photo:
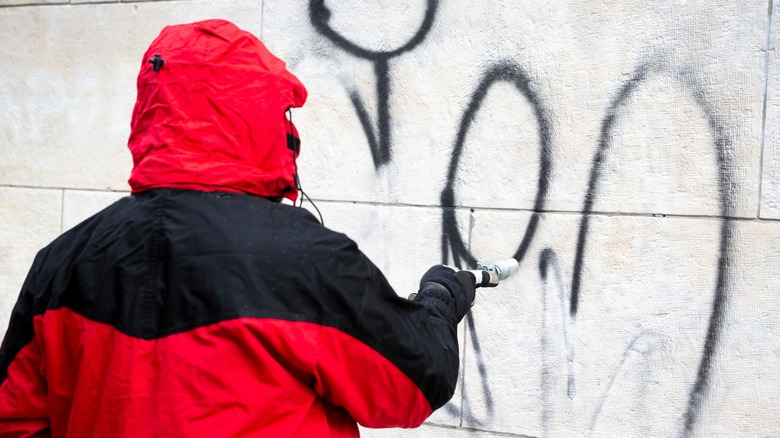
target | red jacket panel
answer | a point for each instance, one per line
(285, 379)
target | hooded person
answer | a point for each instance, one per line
(200, 305)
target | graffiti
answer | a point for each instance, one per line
(548, 261)
(379, 141)
(726, 190)
(452, 243)
(455, 246)
(455, 250)
(482, 369)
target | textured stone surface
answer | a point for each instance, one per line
(770, 181)
(674, 105)
(29, 220)
(68, 86)
(742, 399)
(79, 205)
(647, 114)
(631, 356)
(633, 345)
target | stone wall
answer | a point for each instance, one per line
(626, 152)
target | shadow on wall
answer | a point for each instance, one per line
(454, 248)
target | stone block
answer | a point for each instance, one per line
(623, 355)
(69, 85)
(742, 399)
(80, 205)
(770, 176)
(29, 220)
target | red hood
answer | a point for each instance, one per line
(213, 117)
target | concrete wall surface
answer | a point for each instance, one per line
(627, 152)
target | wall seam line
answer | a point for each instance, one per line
(463, 207)
(763, 115)
(85, 3)
(62, 212)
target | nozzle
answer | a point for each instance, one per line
(503, 268)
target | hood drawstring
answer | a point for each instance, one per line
(294, 144)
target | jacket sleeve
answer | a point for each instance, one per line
(397, 361)
(23, 389)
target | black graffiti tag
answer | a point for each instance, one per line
(452, 242)
(726, 193)
(454, 248)
(379, 141)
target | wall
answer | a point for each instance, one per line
(626, 152)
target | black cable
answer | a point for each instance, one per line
(296, 177)
(312, 203)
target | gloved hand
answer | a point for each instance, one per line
(460, 285)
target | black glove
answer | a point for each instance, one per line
(455, 288)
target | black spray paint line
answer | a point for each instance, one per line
(547, 386)
(726, 190)
(379, 140)
(548, 260)
(454, 249)
(468, 417)
(595, 176)
(505, 71)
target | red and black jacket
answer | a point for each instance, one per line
(186, 313)
(197, 307)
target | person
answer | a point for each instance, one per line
(200, 305)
